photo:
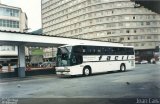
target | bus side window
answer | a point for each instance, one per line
(103, 50)
(107, 51)
(125, 51)
(99, 51)
(93, 50)
(84, 50)
(87, 50)
(118, 52)
(77, 49)
(130, 51)
(121, 51)
(113, 51)
(77, 59)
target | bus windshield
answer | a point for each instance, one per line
(63, 56)
(69, 56)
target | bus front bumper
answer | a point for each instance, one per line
(63, 71)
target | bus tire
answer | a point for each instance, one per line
(86, 71)
(122, 67)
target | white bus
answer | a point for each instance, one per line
(89, 59)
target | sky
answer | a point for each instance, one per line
(32, 8)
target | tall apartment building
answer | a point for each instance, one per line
(106, 20)
(11, 19)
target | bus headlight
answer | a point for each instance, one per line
(66, 69)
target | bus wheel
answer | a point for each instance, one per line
(86, 71)
(122, 67)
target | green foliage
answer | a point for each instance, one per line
(37, 52)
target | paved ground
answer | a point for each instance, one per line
(142, 82)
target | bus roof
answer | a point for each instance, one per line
(99, 44)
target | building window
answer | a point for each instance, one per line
(142, 23)
(155, 30)
(134, 17)
(142, 44)
(127, 31)
(150, 44)
(136, 44)
(9, 23)
(89, 1)
(89, 8)
(98, 6)
(7, 48)
(80, 30)
(136, 37)
(154, 23)
(99, 20)
(84, 10)
(142, 37)
(147, 23)
(120, 17)
(97, 1)
(9, 12)
(90, 15)
(109, 32)
(155, 36)
(121, 31)
(127, 24)
(129, 44)
(154, 16)
(120, 24)
(149, 37)
(112, 11)
(119, 4)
